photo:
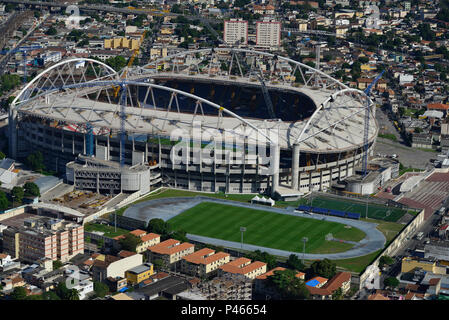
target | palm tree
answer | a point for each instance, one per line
(73, 295)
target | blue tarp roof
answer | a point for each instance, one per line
(313, 283)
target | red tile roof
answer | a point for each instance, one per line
(138, 233)
(271, 272)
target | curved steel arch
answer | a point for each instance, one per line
(55, 67)
(115, 83)
(327, 102)
(144, 69)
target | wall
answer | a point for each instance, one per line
(394, 246)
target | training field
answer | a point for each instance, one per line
(264, 228)
(374, 211)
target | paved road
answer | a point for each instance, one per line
(168, 208)
(408, 156)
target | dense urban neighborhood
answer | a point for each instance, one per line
(224, 150)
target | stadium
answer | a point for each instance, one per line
(86, 118)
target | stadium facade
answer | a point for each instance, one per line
(311, 129)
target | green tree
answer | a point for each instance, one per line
(338, 294)
(50, 295)
(34, 297)
(19, 293)
(17, 193)
(35, 161)
(57, 264)
(117, 63)
(2, 155)
(61, 291)
(159, 226)
(269, 259)
(385, 260)
(4, 202)
(31, 189)
(295, 263)
(159, 264)
(51, 31)
(288, 285)
(130, 242)
(73, 295)
(324, 268)
(100, 289)
(391, 282)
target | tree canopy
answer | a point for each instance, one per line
(288, 285)
(100, 289)
(4, 202)
(17, 193)
(31, 189)
(295, 263)
(35, 161)
(130, 242)
(324, 268)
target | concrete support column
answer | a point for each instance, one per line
(295, 167)
(84, 143)
(108, 151)
(12, 128)
(275, 158)
(98, 182)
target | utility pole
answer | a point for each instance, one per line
(304, 240)
(242, 230)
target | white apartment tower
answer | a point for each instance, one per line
(268, 34)
(235, 30)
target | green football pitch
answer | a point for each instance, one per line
(265, 228)
(374, 211)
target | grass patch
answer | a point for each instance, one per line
(357, 264)
(374, 211)
(173, 193)
(389, 229)
(109, 231)
(389, 136)
(267, 229)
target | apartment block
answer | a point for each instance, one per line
(169, 251)
(148, 240)
(44, 237)
(268, 34)
(203, 262)
(245, 267)
(235, 30)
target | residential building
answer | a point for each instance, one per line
(44, 237)
(140, 273)
(203, 262)
(169, 251)
(235, 30)
(105, 266)
(5, 259)
(410, 264)
(116, 284)
(148, 240)
(324, 289)
(225, 287)
(245, 267)
(268, 34)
